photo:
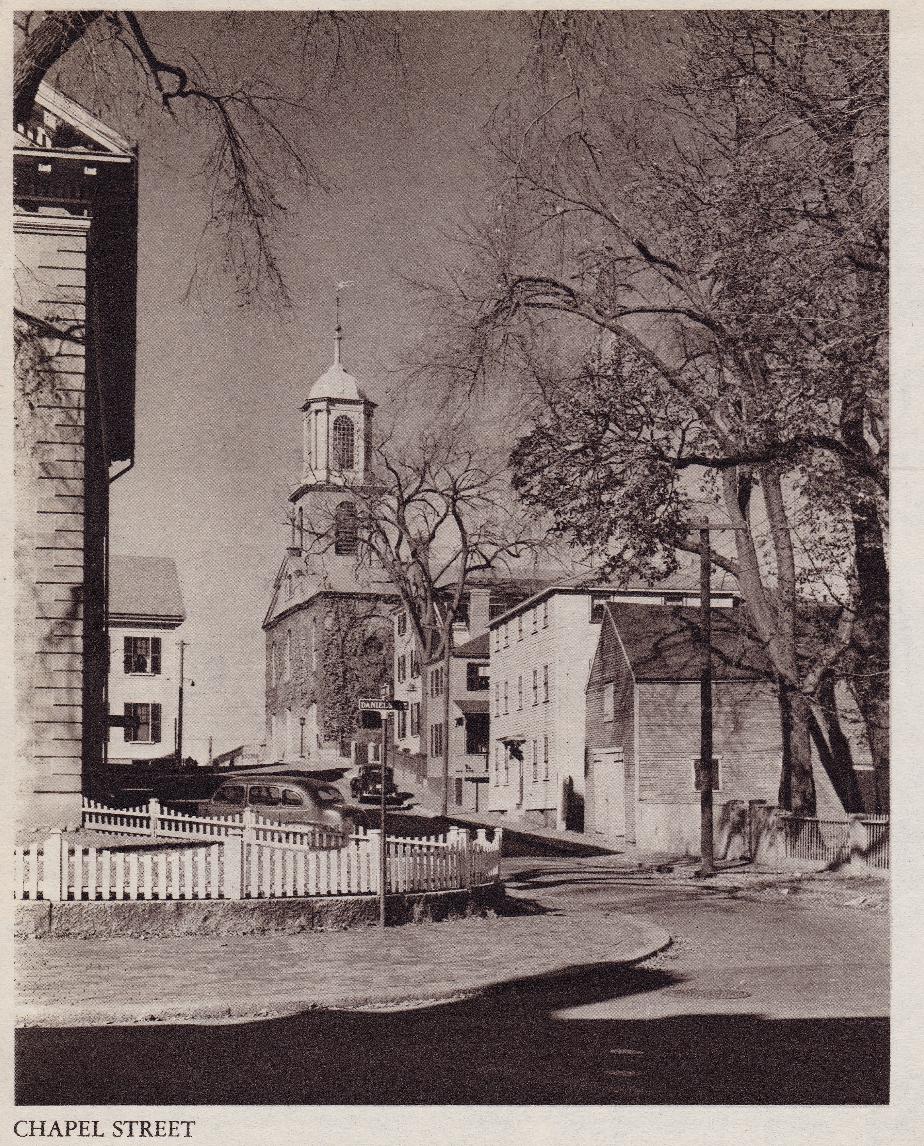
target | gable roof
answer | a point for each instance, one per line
(662, 643)
(476, 647)
(60, 123)
(145, 589)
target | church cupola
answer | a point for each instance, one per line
(337, 416)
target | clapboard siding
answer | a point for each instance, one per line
(51, 493)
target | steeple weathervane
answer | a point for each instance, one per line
(338, 330)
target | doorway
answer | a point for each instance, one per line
(609, 786)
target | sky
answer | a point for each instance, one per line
(219, 390)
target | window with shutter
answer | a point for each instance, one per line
(155, 724)
(155, 655)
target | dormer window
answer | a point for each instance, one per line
(343, 440)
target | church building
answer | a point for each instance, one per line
(328, 627)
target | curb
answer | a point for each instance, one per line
(209, 1011)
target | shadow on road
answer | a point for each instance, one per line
(506, 1046)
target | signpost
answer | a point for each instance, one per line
(384, 706)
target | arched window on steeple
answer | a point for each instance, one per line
(342, 453)
(345, 529)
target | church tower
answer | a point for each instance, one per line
(328, 627)
(336, 427)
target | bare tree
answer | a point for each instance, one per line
(430, 515)
(257, 120)
(708, 236)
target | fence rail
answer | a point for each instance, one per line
(153, 820)
(250, 863)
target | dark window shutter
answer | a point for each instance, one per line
(155, 724)
(129, 715)
(155, 654)
(128, 655)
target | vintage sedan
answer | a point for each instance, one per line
(286, 799)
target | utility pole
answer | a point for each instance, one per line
(705, 766)
(705, 770)
(179, 713)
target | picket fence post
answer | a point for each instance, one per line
(54, 854)
(234, 867)
(375, 859)
(154, 814)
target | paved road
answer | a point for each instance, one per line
(763, 999)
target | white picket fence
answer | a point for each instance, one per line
(153, 820)
(251, 866)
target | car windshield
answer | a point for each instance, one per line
(328, 795)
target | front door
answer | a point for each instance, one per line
(610, 792)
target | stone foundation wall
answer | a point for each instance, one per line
(85, 920)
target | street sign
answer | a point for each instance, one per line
(375, 704)
(701, 779)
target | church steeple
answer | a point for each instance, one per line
(338, 335)
(336, 423)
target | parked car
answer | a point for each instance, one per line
(366, 785)
(286, 799)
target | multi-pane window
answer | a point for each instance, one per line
(345, 529)
(535, 761)
(535, 687)
(142, 655)
(545, 756)
(497, 756)
(477, 725)
(497, 708)
(415, 718)
(545, 684)
(476, 677)
(505, 698)
(342, 452)
(519, 694)
(436, 682)
(402, 723)
(436, 739)
(142, 724)
(401, 672)
(415, 665)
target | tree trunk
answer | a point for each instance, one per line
(834, 749)
(797, 785)
(53, 38)
(870, 660)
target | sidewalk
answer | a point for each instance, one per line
(67, 982)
